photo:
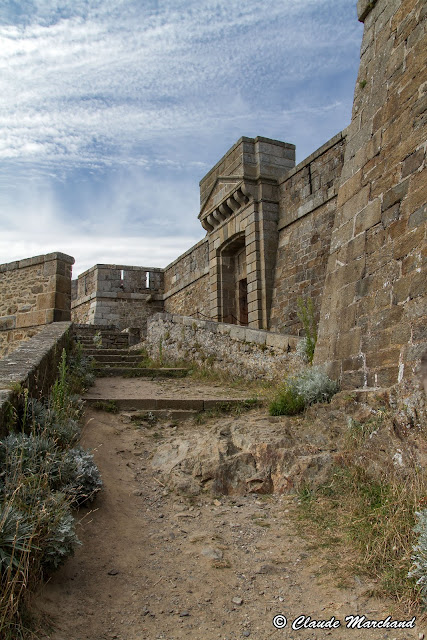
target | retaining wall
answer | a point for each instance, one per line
(243, 352)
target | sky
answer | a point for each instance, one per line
(112, 111)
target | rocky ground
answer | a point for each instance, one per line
(165, 555)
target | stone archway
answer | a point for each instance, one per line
(233, 281)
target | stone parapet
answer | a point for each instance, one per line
(33, 365)
(33, 292)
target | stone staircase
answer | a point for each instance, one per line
(109, 348)
(147, 392)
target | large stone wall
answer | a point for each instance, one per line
(307, 203)
(240, 351)
(33, 292)
(373, 319)
(119, 295)
(33, 365)
(186, 282)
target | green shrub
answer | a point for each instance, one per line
(419, 557)
(287, 403)
(32, 456)
(308, 387)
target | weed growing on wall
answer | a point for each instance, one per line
(43, 475)
(307, 319)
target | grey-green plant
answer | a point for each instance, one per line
(86, 479)
(298, 392)
(419, 556)
(308, 321)
(16, 534)
(57, 531)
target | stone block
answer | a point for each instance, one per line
(412, 240)
(396, 194)
(7, 323)
(412, 163)
(238, 333)
(257, 337)
(387, 376)
(46, 300)
(368, 217)
(418, 217)
(277, 341)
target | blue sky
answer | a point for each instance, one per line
(111, 112)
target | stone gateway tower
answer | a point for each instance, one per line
(239, 201)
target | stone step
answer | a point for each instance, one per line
(177, 415)
(94, 352)
(140, 372)
(166, 404)
(115, 358)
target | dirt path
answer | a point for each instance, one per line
(154, 565)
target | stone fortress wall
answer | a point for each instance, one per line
(33, 293)
(373, 319)
(346, 228)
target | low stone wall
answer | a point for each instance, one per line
(251, 353)
(33, 365)
(187, 281)
(33, 292)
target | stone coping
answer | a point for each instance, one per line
(18, 366)
(236, 332)
(32, 365)
(30, 262)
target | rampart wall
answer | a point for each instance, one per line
(373, 320)
(33, 292)
(307, 204)
(186, 282)
(346, 228)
